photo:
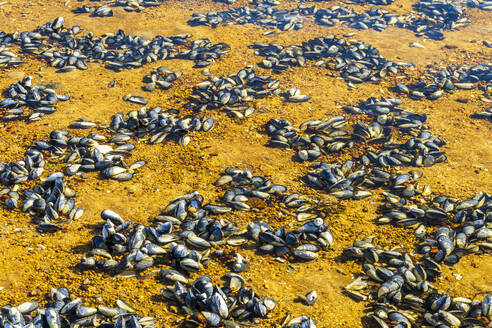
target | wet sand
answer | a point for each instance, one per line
(31, 262)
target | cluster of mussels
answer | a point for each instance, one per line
(421, 147)
(181, 237)
(50, 201)
(357, 61)
(432, 17)
(39, 98)
(317, 137)
(63, 49)
(463, 225)
(281, 242)
(185, 232)
(137, 5)
(374, 18)
(263, 14)
(63, 310)
(95, 11)
(161, 77)
(402, 295)
(8, 58)
(267, 16)
(215, 305)
(128, 5)
(51, 204)
(303, 243)
(434, 82)
(348, 181)
(203, 52)
(233, 92)
(157, 126)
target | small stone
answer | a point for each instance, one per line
(458, 276)
(415, 45)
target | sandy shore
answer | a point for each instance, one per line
(31, 262)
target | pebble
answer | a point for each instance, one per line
(416, 45)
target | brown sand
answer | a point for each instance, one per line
(33, 262)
